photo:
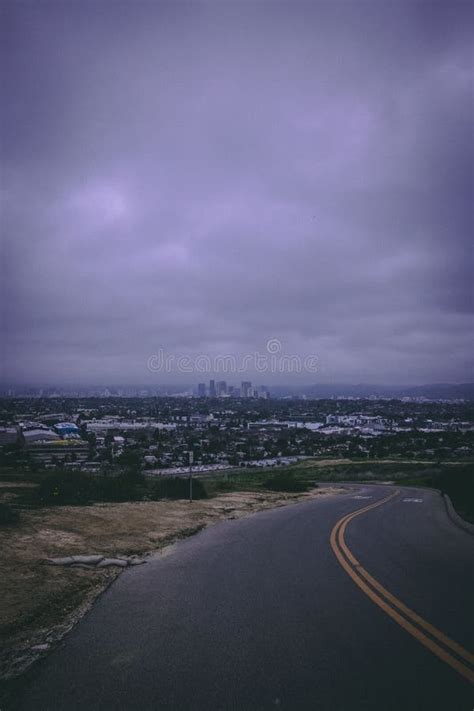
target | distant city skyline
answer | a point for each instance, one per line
(435, 391)
(206, 178)
(223, 389)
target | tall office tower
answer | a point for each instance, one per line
(202, 390)
(246, 388)
(212, 388)
(221, 388)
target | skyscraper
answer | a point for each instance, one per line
(221, 388)
(202, 390)
(212, 388)
(246, 388)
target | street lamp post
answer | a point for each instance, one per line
(191, 459)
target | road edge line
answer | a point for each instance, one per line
(355, 571)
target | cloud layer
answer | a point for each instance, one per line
(203, 177)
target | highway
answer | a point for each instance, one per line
(301, 607)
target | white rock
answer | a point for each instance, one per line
(88, 559)
(69, 560)
(107, 562)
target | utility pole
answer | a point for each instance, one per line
(191, 459)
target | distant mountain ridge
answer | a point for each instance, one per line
(437, 391)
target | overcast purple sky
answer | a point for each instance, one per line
(202, 177)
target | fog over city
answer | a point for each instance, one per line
(206, 177)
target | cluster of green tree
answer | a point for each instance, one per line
(455, 481)
(75, 488)
(8, 514)
(177, 488)
(242, 410)
(459, 486)
(286, 481)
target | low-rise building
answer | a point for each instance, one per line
(59, 450)
(66, 428)
(39, 435)
(9, 435)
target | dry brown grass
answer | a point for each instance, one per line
(40, 602)
(316, 463)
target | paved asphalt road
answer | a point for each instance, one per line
(259, 613)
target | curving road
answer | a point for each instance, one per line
(302, 607)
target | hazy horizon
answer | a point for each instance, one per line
(215, 179)
(461, 389)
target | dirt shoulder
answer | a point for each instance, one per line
(40, 603)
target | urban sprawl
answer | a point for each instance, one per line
(220, 426)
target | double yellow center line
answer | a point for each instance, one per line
(433, 639)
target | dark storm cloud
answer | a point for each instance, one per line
(203, 177)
